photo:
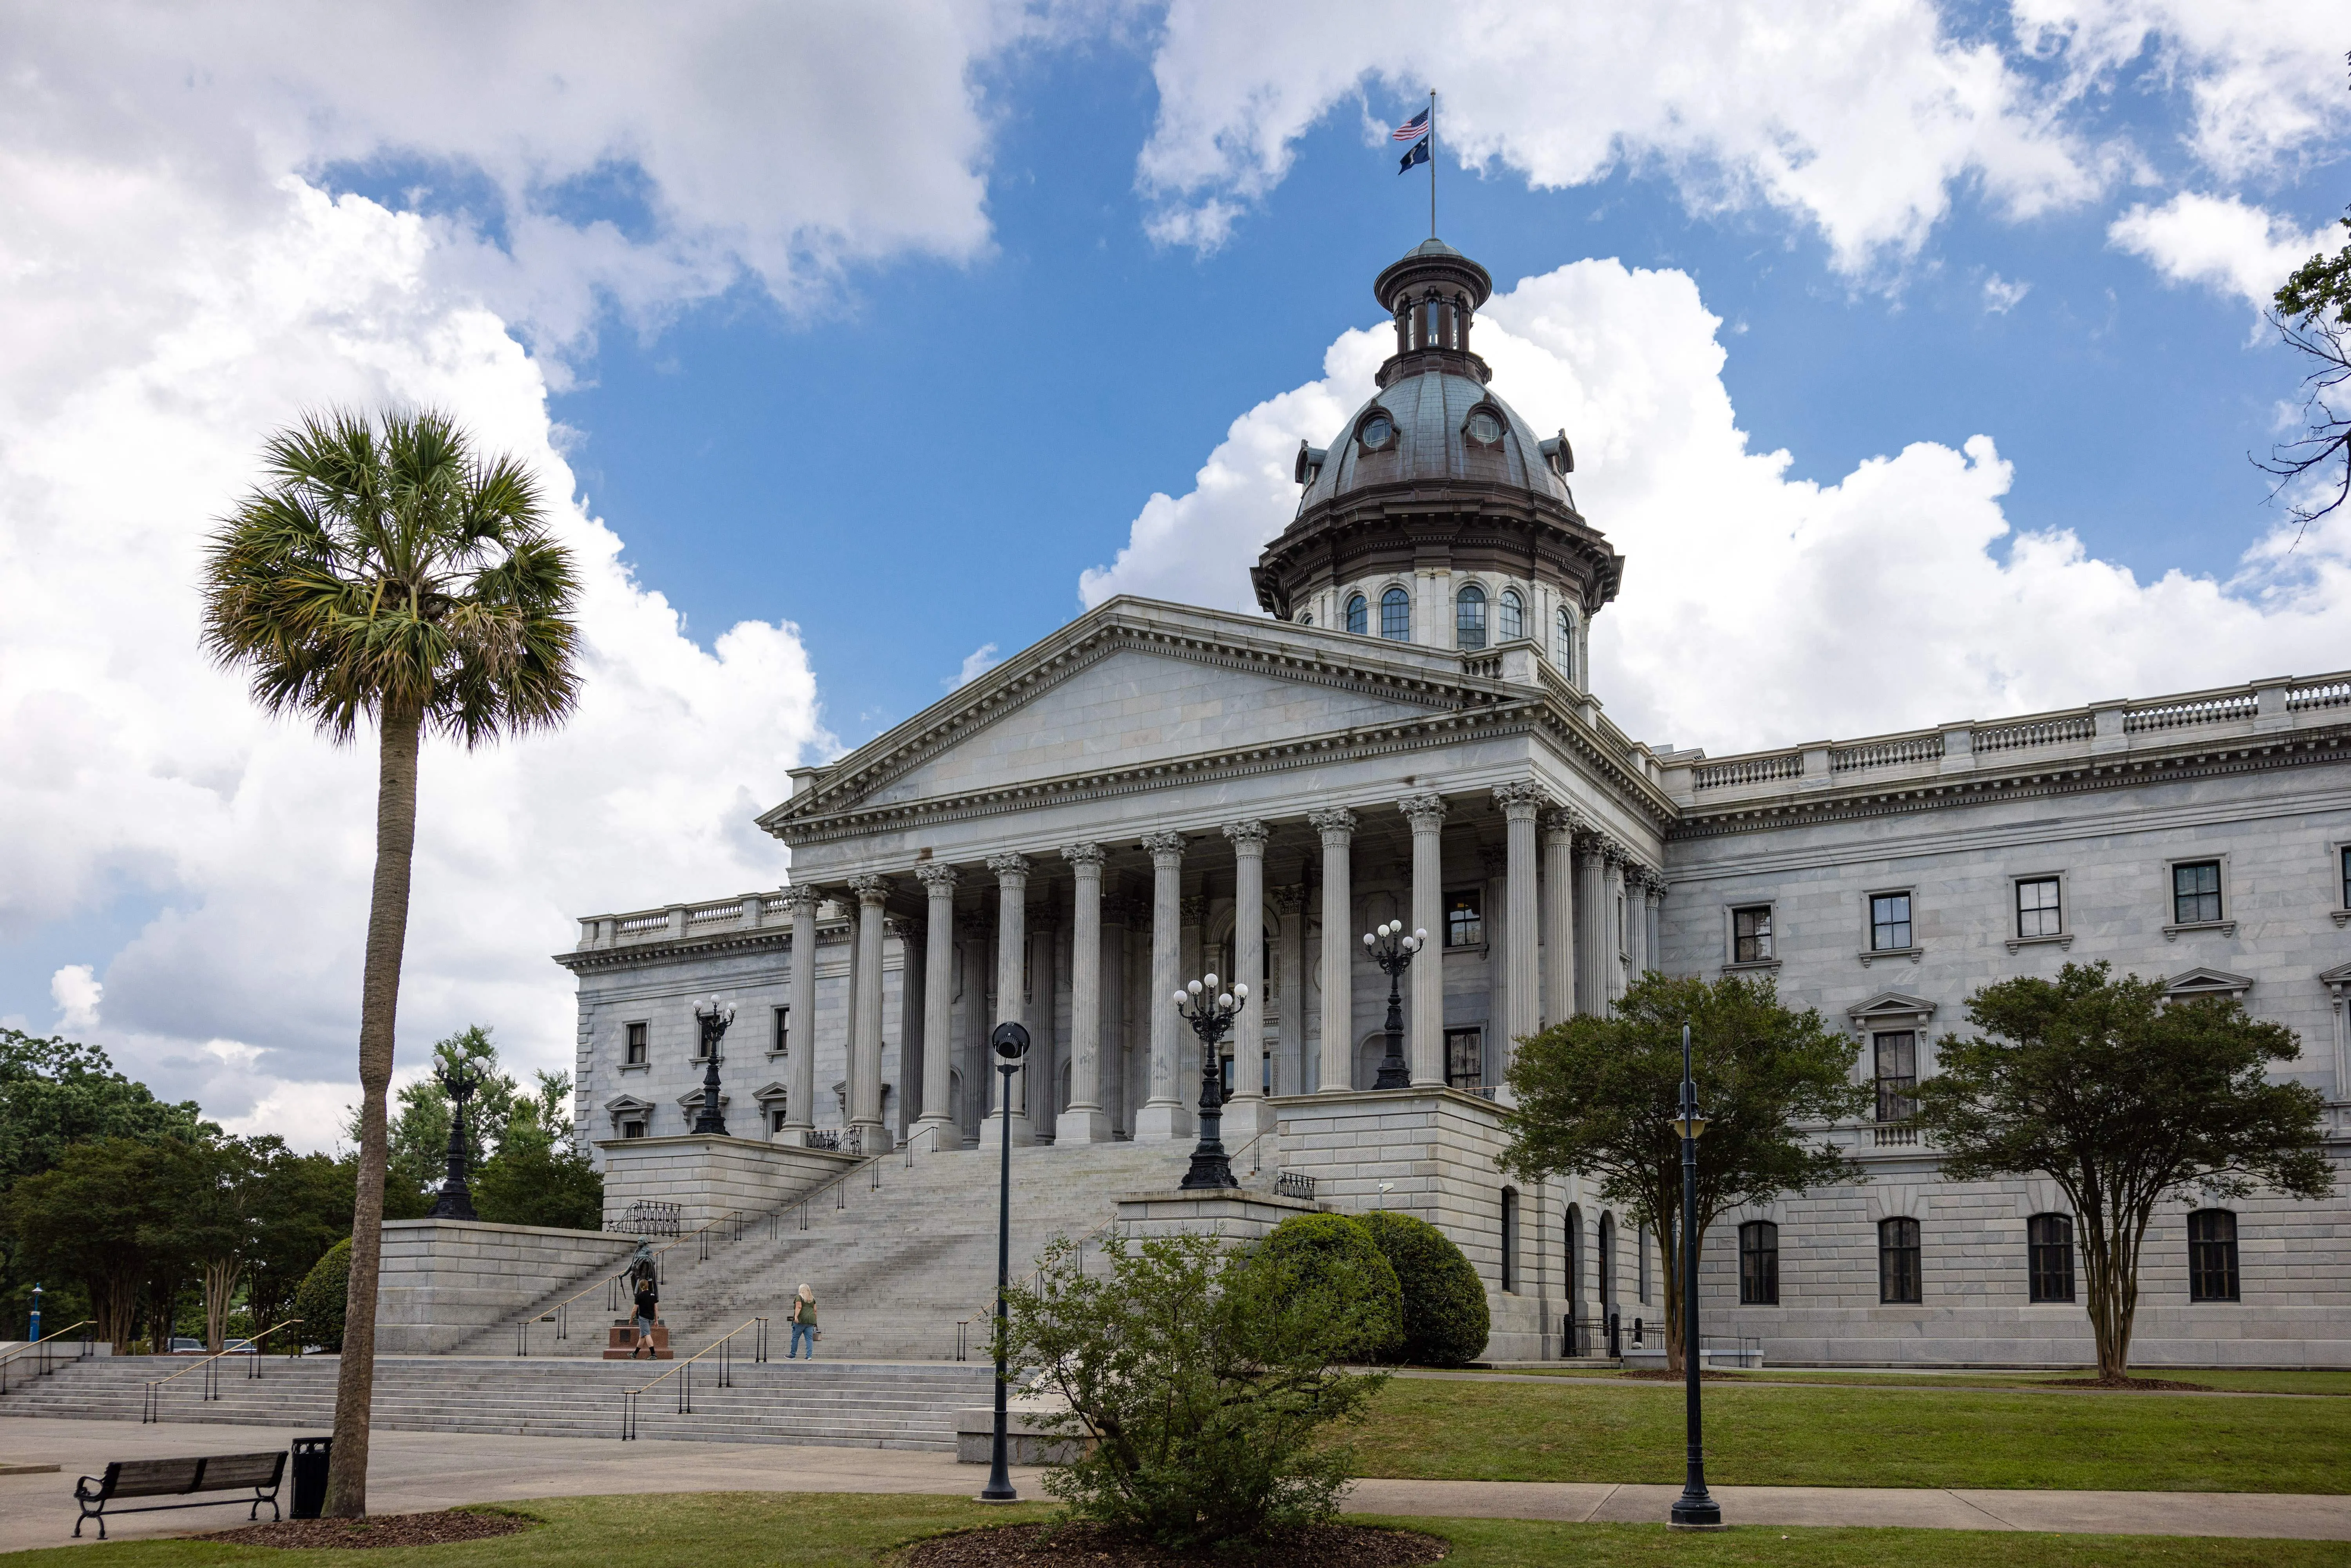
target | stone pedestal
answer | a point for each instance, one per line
(623, 1333)
(711, 1174)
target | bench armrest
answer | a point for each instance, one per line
(97, 1485)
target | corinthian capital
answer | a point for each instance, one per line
(869, 888)
(1424, 812)
(1084, 856)
(939, 879)
(801, 896)
(1520, 801)
(1164, 845)
(1249, 837)
(1009, 869)
(1336, 825)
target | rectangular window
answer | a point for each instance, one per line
(2195, 893)
(639, 1038)
(2049, 1243)
(1889, 922)
(701, 1040)
(1897, 1262)
(1641, 1262)
(1897, 1073)
(2038, 913)
(1750, 934)
(1464, 1058)
(632, 1127)
(1758, 1264)
(2212, 1256)
(776, 1114)
(1510, 1239)
(1465, 923)
(781, 1039)
(2346, 876)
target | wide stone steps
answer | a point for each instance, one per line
(836, 1403)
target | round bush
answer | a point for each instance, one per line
(1446, 1320)
(320, 1299)
(1333, 1254)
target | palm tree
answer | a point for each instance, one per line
(382, 574)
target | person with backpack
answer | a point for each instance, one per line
(803, 1321)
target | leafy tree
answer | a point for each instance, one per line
(214, 1226)
(1446, 1318)
(2123, 1099)
(418, 1157)
(385, 575)
(1205, 1380)
(1597, 1098)
(2312, 314)
(301, 1207)
(540, 1174)
(323, 1298)
(104, 1214)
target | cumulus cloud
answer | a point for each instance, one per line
(977, 663)
(2218, 241)
(1858, 121)
(1896, 597)
(76, 990)
(2000, 296)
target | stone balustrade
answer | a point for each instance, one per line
(680, 921)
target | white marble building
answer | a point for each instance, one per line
(1155, 790)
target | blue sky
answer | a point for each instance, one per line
(865, 330)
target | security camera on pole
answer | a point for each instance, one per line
(1011, 1042)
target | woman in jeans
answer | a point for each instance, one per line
(647, 1312)
(803, 1322)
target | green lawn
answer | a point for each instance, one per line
(1569, 1430)
(772, 1530)
(2248, 1380)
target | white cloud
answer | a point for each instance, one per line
(977, 663)
(2000, 296)
(76, 990)
(1859, 121)
(1731, 564)
(2219, 241)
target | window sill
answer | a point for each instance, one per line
(2064, 939)
(1913, 954)
(1751, 967)
(777, 1055)
(2340, 917)
(2225, 927)
(636, 1067)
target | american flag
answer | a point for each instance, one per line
(1411, 129)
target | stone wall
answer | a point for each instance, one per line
(709, 1177)
(445, 1281)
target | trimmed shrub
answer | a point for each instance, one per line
(1331, 1255)
(1446, 1320)
(320, 1300)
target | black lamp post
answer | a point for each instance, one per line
(456, 1201)
(1011, 1043)
(1210, 1015)
(714, 1020)
(1694, 1509)
(1392, 948)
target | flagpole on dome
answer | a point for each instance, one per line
(1432, 162)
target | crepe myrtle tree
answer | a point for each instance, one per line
(1597, 1098)
(382, 574)
(2124, 1099)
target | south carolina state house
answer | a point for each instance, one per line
(1408, 731)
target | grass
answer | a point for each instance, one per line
(1568, 1430)
(803, 1530)
(2243, 1380)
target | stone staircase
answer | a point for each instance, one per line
(837, 1404)
(894, 1267)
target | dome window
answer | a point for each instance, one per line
(1509, 617)
(1567, 644)
(1377, 433)
(1395, 615)
(1483, 427)
(1469, 618)
(1358, 614)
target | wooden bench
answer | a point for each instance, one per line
(180, 1478)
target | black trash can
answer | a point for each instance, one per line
(310, 1476)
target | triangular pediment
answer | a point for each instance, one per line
(625, 1105)
(2338, 975)
(1891, 1005)
(2203, 982)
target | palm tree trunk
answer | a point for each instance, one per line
(395, 849)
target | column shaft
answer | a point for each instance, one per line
(1558, 917)
(1165, 1117)
(1426, 1043)
(1244, 1118)
(1339, 937)
(1523, 998)
(1613, 920)
(1011, 1003)
(1085, 1121)
(799, 1086)
(939, 1007)
(865, 1068)
(1591, 936)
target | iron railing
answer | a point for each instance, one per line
(44, 1352)
(683, 1373)
(150, 1409)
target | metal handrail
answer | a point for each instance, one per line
(559, 1315)
(724, 1345)
(42, 1348)
(151, 1409)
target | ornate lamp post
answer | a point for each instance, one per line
(456, 1201)
(1392, 948)
(1011, 1043)
(36, 1313)
(713, 1018)
(1210, 1015)
(1694, 1509)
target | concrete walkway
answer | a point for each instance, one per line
(417, 1470)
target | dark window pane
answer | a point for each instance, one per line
(1567, 668)
(1897, 1262)
(1464, 1058)
(1464, 924)
(2212, 1256)
(1750, 934)
(1889, 921)
(2346, 877)
(1358, 614)
(1510, 1239)
(2049, 1241)
(1758, 1264)
(1395, 615)
(1511, 617)
(1897, 1074)
(1470, 617)
(2037, 912)
(783, 1030)
(637, 1043)
(2196, 892)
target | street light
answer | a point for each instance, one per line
(1694, 1509)
(1011, 1042)
(1211, 1014)
(455, 1202)
(37, 1314)
(1392, 948)
(713, 1018)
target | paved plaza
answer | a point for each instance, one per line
(417, 1470)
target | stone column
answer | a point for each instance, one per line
(1637, 921)
(1164, 1117)
(1085, 1121)
(865, 1065)
(1289, 1011)
(1041, 1074)
(938, 1005)
(799, 1086)
(1338, 938)
(1425, 1044)
(1558, 917)
(1612, 920)
(1654, 904)
(1591, 936)
(977, 964)
(1520, 804)
(908, 1025)
(1012, 873)
(1244, 1118)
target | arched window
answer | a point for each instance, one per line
(1608, 1260)
(1574, 1254)
(1470, 617)
(1395, 615)
(2212, 1256)
(1510, 1239)
(1566, 656)
(1306, 618)
(1511, 617)
(1898, 1261)
(1358, 614)
(1641, 1270)
(1758, 1264)
(2048, 1256)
